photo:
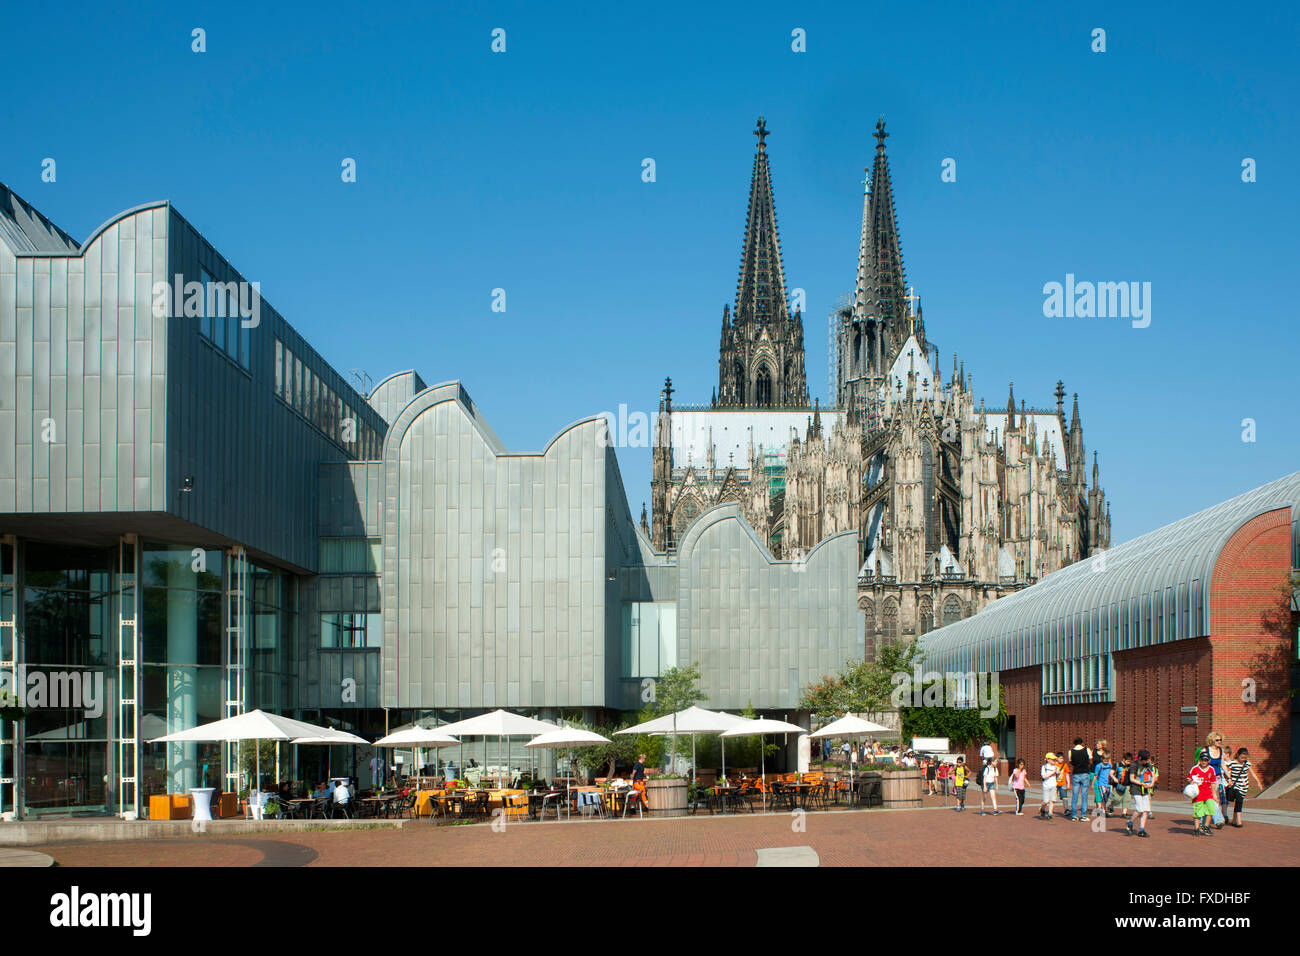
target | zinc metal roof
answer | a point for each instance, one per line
(1150, 590)
(24, 229)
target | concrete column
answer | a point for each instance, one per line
(182, 656)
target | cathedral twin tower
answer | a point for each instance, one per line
(954, 505)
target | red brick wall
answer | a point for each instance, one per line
(1251, 634)
(1251, 631)
(1151, 684)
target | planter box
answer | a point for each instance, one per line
(667, 798)
(225, 806)
(902, 788)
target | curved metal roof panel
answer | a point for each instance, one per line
(1151, 590)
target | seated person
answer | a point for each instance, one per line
(321, 792)
(342, 794)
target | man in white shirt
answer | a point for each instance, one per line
(342, 795)
(988, 752)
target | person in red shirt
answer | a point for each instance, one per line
(1204, 803)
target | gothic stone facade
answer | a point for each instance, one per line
(954, 505)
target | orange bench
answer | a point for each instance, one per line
(170, 806)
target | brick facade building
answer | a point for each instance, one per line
(1134, 650)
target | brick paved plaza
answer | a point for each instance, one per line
(929, 836)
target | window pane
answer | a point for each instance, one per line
(279, 368)
(205, 322)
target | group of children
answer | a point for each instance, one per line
(1124, 786)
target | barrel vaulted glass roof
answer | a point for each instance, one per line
(1150, 590)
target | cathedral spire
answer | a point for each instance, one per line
(882, 287)
(1011, 405)
(760, 293)
(761, 359)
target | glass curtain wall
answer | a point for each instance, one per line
(69, 640)
(181, 673)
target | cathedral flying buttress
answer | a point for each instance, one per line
(954, 504)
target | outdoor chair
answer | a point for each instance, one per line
(591, 800)
(553, 800)
(781, 796)
(344, 808)
(480, 805)
(637, 798)
(514, 806)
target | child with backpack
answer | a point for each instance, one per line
(1120, 799)
(1144, 781)
(1203, 782)
(959, 783)
(1048, 772)
(1103, 776)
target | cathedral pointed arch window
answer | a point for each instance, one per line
(683, 515)
(927, 615)
(931, 502)
(763, 387)
(868, 609)
(739, 372)
(889, 622)
(952, 610)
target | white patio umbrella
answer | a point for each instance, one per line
(697, 720)
(692, 720)
(850, 726)
(499, 724)
(253, 725)
(760, 726)
(331, 737)
(568, 738)
(414, 737)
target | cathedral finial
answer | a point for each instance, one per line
(1011, 405)
(880, 134)
(761, 133)
(1060, 397)
(668, 393)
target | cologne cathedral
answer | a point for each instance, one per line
(955, 504)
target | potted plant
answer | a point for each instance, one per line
(10, 708)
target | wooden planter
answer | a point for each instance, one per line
(902, 788)
(667, 798)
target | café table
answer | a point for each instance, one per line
(370, 806)
(723, 791)
(540, 800)
(456, 800)
(798, 793)
(299, 805)
(202, 800)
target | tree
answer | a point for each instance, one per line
(861, 686)
(622, 748)
(961, 725)
(676, 689)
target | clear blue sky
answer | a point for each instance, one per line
(522, 170)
